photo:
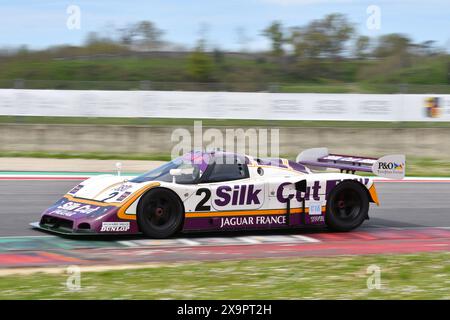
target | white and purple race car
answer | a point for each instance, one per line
(218, 191)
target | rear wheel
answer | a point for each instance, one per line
(347, 206)
(160, 213)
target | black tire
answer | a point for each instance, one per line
(160, 213)
(347, 206)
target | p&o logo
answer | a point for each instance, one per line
(391, 166)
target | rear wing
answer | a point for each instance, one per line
(390, 166)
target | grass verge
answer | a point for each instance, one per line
(217, 122)
(415, 276)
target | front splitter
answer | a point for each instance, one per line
(38, 226)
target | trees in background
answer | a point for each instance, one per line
(325, 50)
(200, 65)
(329, 37)
(362, 47)
(322, 38)
(142, 35)
(392, 44)
(274, 32)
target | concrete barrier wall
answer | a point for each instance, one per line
(426, 142)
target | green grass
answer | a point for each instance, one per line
(229, 72)
(422, 71)
(218, 122)
(428, 167)
(125, 69)
(305, 88)
(414, 276)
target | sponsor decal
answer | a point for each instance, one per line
(123, 196)
(238, 195)
(314, 189)
(62, 212)
(87, 209)
(123, 187)
(433, 107)
(69, 206)
(317, 219)
(115, 226)
(287, 106)
(375, 107)
(391, 166)
(69, 209)
(315, 208)
(330, 107)
(78, 207)
(252, 221)
(76, 189)
(225, 195)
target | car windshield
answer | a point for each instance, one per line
(192, 163)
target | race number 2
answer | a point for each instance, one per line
(201, 205)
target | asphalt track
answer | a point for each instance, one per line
(405, 204)
(413, 216)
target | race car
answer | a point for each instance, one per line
(219, 191)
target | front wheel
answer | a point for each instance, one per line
(160, 213)
(347, 206)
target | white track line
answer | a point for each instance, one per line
(249, 240)
(189, 242)
(305, 238)
(128, 243)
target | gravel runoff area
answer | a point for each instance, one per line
(75, 165)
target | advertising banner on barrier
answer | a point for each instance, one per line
(225, 105)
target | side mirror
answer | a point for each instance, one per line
(175, 172)
(179, 172)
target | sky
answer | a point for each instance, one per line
(40, 23)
